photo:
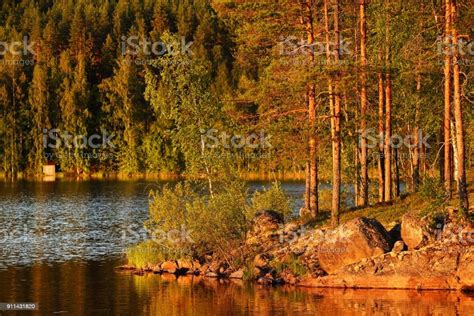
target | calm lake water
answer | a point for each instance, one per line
(60, 242)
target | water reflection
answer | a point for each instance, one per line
(95, 288)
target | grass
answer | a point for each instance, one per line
(388, 213)
(146, 254)
(291, 263)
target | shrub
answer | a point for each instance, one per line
(207, 223)
(273, 198)
(184, 222)
(432, 189)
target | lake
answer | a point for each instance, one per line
(60, 242)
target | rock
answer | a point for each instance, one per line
(441, 265)
(305, 213)
(262, 260)
(265, 280)
(266, 232)
(288, 277)
(126, 267)
(196, 265)
(398, 247)
(214, 266)
(291, 228)
(239, 274)
(351, 242)
(266, 221)
(169, 267)
(185, 264)
(157, 269)
(417, 232)
(203, 269)
(212, 275)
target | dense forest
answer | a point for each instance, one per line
(365, 92)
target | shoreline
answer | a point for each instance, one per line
(160, 176)
(409, 256)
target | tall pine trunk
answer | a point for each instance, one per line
(336, 157)
(311, 199)
(416, 137)
(364, 186)
(388, 117)
(458, 118)
(381, 129)
(447, 100)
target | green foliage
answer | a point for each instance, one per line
(273, 198)
(144, 255)
(432, 189)
(292, 263)
(433, 192)
(214, 223)
(82, 82)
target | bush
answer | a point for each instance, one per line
(432, 189)
(206, 223)
(273, 198)
(186, 223)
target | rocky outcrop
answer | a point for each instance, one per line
(417, 231)
(398, 247)
(239, 274)
(169, 267)
(358, 254)
(267, 220)
(442, 265)
(351, 242)
(266, 231)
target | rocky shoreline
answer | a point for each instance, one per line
(418, 253)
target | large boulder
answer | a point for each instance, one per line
(351, 242)
(267, 220)
(169, 266)
(418, 232)
(265, 229)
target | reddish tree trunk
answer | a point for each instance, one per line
(458, 118)
(364, 186)
(447, 100)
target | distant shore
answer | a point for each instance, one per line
(161, 176)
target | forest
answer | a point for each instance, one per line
(378, 94)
